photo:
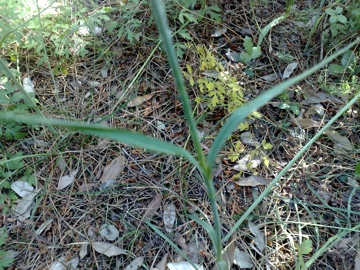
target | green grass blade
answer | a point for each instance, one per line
(241, 113)
(171, 243)
(165, 35)
(287, 167)
(127, 137)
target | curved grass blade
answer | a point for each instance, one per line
(127, 137)
(241, 113)
(287, 167)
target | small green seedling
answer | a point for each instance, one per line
(304, 249)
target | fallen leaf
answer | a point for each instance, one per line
(242, 259)
(153, 206)
(184, 266)
(218, 31)
(340, 140)
(112, 170)
(316, 108)
(45, 226)
(245, 163)
(83, 251)
(317, 98)
(169, 217)
(22, 188)
(305, 122)
(87, 187)
(181, 242)
(345, 243)
(67, 180)
(289, 69)
(253, 181)
(140, 100)
(25, 205)
(107, 249)
(270, 77)
(357, 261)
(61, 264)
(162, 264)
(109, 232)
(102, 143)
(259, 238)
(135, 264)
(108, 183)
(247, 138)
(227, 256)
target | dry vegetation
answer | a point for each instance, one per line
(316, 200)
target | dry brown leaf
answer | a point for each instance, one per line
(169, 217)
(259, 237)
(153, 206)
(87, 187)
(340, 140)
(107, 249)
(306, 122)
(135, 264)
(67, 180)
(112, 170)
(162, 264)
(140, 100)
(317, 98)
(253, 181)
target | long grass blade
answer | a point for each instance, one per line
(165, 35)
(287, 167)
(127, 137)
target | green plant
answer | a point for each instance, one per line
(4, 260)
(357, 170)
(217, 85)
(349, 64)
(303, 249)
(336, 20)
(203, 163)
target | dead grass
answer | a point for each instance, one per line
(313, 201)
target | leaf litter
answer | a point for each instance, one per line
(242, 259)
(153, 206)
(253, 181)
(135, 264)
(169, 217)
(112, 170)
(259, 238)
(107, 249)
(67, 180)
(109, 232)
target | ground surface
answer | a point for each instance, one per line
(315, 200)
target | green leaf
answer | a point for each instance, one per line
(330, 11)
(111, 26)
(245, 57)
(248, 45)
(342, 19)
(357, 169)
(348, 58)
(338, 10)
(256, 52)
(124, 136)
(333, 19)
(336, 69)
(306, 247)
(184, 34)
